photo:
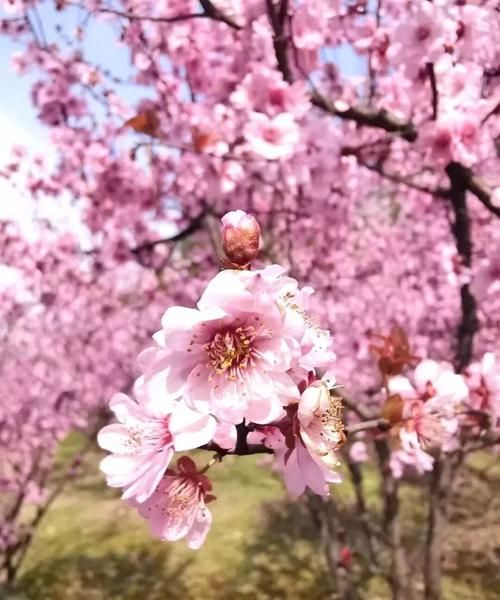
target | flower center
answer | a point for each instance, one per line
(182, 495)
(331, 422)
(152, 435)
(422, 32)
(231, 350)
(271, 135)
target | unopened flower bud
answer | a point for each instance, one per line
(240, 237)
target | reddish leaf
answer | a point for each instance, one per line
(146, 122)
(392, 410)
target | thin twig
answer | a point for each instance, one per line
(429, 67)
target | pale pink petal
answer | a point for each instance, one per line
(401, 385)
(179, 325)
(189, 428)
(116, 438)
(225, 436)
(426, 372)
(199, 529)
(309, 404)
(146, 483)
(124, 407)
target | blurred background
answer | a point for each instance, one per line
(121, 147)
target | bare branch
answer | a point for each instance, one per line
(277, 18)
(429, 67)
(380, 424)
(463, 175)
(462, 233)
(213, 12)
(362, 509)
(399, 574)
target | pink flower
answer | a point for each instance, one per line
(143, 442)
(272, 138)
(316, 344)
(410, 455)
(320, 423)
(358, 452)
(177, 508)
(486, 280)
(419, 37)
(313, 346)
(432, 379)
(300, 470)
(305, 442)
(431, 402)
(231, 356)
(428, 423)
(484, 382)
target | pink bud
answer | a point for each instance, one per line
(240, 237)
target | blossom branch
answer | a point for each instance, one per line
(209, 12)
(380, 119)
(376, 167)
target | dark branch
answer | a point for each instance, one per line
(195, 225)
(381, 118)
(462, 233)
(277, 18)
(464, 176)
(435, 96)
(211, 11)
(377, 167)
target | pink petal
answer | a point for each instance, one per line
(426, 371)
(189, 428)
(199, 529)
(144, 486)
(124, 407)
(116, 438)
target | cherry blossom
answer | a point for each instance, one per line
(144, 441)
(177, 508)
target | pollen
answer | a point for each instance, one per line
(331, 421)
(231, 350)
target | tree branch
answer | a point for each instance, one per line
(377, 167)
(195, 225)
(277, 18)
(362, 510)
(325, 516)
(446, 466)
(381, 118)
(429, 67)
(209, 12)
(399, 572)
(464, 177)
(213, 12)
(461, 231)
(442, 478)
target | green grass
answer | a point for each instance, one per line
(91, 546)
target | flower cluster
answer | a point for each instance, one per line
(248, 356)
